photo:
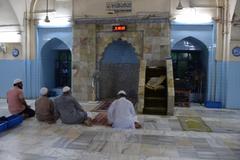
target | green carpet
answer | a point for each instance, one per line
(193, 124)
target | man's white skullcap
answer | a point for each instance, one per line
(122, 92)
(43, 91)
(66, 89)
(16, 81)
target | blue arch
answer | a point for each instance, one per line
(47, 34)
(190, 43)
(54, 43)
(49, 54)
(119, 67)
(193, 45)
(119, 52)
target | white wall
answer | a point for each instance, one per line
(96, 8)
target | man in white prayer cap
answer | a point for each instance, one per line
(16, 101)
(121, 113)
(44, 107)
(69, 110)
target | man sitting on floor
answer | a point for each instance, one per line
(69, 110)
(16, 101)
(44, 107)
(121, 113)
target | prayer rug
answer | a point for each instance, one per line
(193, 124)
(103, 106)
(100, 119)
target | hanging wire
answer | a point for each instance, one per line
(47, 18)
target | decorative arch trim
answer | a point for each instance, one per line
(125, 46)
(58, 42)
(189, 43)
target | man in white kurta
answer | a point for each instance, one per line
(121, 113)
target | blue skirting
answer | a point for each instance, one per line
(213, 104)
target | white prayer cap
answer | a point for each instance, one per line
(66, 89)
(16, 81)
(43, 91)
(122, 92)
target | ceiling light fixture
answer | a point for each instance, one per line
(47, 18)
(179, 6)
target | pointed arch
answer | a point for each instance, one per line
(55, 64)
(120, 51)
(189, 43)
(190, 63)
(55, 43)
(119, 66)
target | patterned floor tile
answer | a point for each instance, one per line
(161, 138)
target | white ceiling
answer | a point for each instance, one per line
(8, 16)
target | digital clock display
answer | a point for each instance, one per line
(119, 28)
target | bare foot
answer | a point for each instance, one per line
(138, 125)
(88, 122)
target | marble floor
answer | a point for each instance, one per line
(161, 138)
